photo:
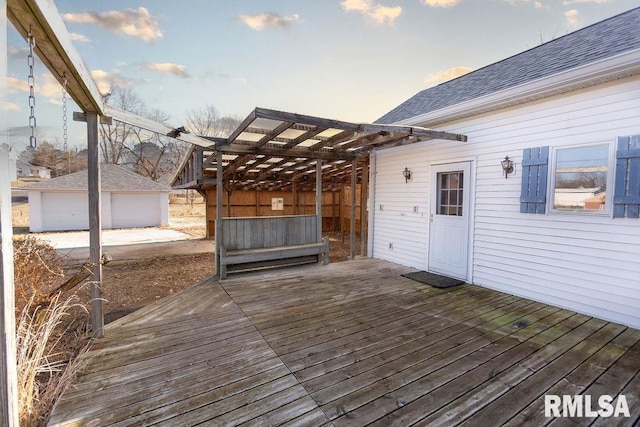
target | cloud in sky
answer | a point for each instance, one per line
(45, 85)
(132, 22)
(572, 18)
(79, 38)
(19, 53)
(268, 19)
(375, 12)
(441, 3)
(9, 106)
(17, 84)
(447, 75)
(105, 80)
(570, 2)
(168, 68)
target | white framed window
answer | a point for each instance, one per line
(277, 203)
(581, 179)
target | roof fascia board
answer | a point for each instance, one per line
(624, 64)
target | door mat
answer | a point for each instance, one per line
(434, 280)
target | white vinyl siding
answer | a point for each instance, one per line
(397, 224)
(586, 263)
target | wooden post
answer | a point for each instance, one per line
(8, 373)
(341, 213)
(372, 201)
(257, 202)
(294, 190)
(219, 191)
(333, 210)
(319, 198)
(364, 224)
(95, 224)
(352, 226)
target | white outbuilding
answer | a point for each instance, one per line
(128, 200)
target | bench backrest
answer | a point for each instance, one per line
(268, 231)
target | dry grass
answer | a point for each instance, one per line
(45, 345)
(37, 269)
(43, 371)
(20, 216)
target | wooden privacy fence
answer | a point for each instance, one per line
(336, 206)
(256, 242)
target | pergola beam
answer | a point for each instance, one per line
(55, 49)
(284, 152)
(153, 126)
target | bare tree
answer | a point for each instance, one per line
(49, 155)
(206, 121)
(146, 153)
(114, 137)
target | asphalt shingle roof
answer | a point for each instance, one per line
(112, 177)
(604, 39)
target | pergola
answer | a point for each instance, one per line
(279, 150)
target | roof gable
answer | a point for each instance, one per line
(112, 177)
(598, 41)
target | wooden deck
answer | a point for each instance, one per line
(348, 344)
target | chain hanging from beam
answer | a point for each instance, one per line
(65, 146)
(32, 97)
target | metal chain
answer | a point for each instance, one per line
(32, 98)
(65, 146)
(64, 113)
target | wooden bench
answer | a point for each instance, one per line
(258, 242)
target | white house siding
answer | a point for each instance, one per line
(590, 264)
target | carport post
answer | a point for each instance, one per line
(319, 198)
(8, 371)
(95, 225)
(352, 225)
(364, 224)
(219, 189)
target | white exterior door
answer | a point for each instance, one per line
(450, 218)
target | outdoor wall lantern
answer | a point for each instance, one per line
(507, 166)
(407, 174)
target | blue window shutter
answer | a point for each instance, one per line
(535, 165)
(626, 195)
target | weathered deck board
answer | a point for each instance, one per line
(348, 344)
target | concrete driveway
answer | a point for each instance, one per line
(126, 244)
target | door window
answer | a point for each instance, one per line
(450, 188)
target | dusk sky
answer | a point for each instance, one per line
(345, 59)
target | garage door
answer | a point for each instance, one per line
(135, 210)
(65, 211)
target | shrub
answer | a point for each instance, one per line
(37, 269)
